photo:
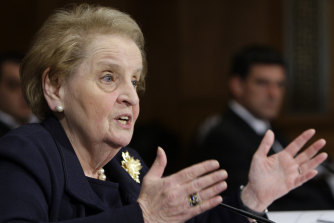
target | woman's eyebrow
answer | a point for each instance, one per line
(116, 66)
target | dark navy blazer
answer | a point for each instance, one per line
(42, 181)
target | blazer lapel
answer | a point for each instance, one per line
(129, 188)
(76, 182)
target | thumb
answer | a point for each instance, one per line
(266, 143)
(158, 167)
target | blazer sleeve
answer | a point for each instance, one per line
(30, 185)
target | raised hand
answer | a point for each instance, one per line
(274, 176)
(166, 199)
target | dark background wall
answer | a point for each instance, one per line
(189, 45)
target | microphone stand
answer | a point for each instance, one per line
(247, 214)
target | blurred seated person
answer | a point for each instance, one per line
(81, 78)
(14, 110)
(257, 85)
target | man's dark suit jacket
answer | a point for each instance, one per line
(233, 142)
(42, 181)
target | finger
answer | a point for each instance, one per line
(299, 142)
(266, 143)
(212, 191)
(313, 163)
(310, 151)
(205, 205)
(159, 164)
(306, 177)
(195, 171)
(206, 181)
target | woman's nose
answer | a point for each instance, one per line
(128, 94)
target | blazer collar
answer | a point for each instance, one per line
(75, 180)
(260, 126)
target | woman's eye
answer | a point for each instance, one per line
(134, 83)
(108, 78)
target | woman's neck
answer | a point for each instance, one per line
(92, 155)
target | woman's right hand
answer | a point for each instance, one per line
(166, 199)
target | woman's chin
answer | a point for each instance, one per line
(120, 142)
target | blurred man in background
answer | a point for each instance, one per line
(257, 85)
(14, 110)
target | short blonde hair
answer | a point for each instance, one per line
(60, 45)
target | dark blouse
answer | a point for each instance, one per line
(42, 181)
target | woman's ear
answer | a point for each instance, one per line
(51, 92)
(236, 86)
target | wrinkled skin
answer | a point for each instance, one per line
(164, 199)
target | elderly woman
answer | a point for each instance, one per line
(81, 78)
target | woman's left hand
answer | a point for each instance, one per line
(274, 176)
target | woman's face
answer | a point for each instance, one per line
(100, 100)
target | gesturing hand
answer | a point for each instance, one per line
(274, 176)
(165, 199)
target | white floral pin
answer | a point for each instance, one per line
(131, 165)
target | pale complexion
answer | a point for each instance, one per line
(165, 199)
(100, 100)
(97, 99)
(274, 176)
(101, 106)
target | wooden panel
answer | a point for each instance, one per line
(293, 124)
(189, 46)
(210, 34)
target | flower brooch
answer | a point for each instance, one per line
(131, 165)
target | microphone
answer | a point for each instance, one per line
(246, 214)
